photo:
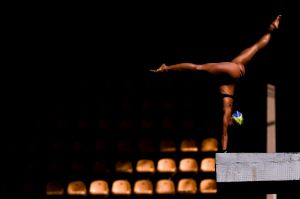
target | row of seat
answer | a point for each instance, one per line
(125, 105)
(145, 145)
(139, 187)
(163, 165)
(167, 165)
(143, 125)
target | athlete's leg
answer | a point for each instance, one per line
(233, 69)
(176, 67)
(227, 121)
(229, 68)
(246, 55)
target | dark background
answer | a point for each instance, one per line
(62, 47)
(73, 53)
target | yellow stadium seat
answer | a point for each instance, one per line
(165, 186)
(145, 166)
(166, 165)
(76, 188)
(121, 187)
(146, 145)
(208, 186)
(99, 187)
(54, 188)
(209, 145)
(124, 166)
(188, 145)
(208, 164)
(187, 186)
(167, 145)
(143, 187)
(188, 165)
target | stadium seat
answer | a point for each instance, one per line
(124, 146)
(167, 145)
(99, 187)
(77, 188)
(209, 145)
(146, 146)
(189, 145)
(54, 188)
(208, 164)
(121, 187)
(208, 186)
(123, 166)
(188, 165)
(143, 187)
(167, 165)
(101, 167)
(187, 186)
(145, 166)
(165, 187)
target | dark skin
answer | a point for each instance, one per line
(233, 69)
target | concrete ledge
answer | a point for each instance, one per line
(257, 167)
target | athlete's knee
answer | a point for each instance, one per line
(198, 67)
(191, 66)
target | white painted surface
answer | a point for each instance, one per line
(247, 167)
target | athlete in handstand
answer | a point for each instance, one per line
(232, 70)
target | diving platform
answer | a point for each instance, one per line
(252, 167)
(258, 172)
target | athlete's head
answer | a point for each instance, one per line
(237, 117)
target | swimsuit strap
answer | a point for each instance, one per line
(226, 95)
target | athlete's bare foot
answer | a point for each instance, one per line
(275, 24)
(162, 68)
